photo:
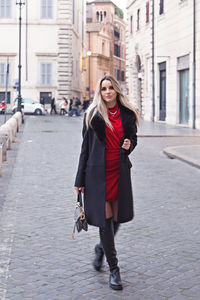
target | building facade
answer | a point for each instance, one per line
(105, 43)
(163, 60)
(53, 48)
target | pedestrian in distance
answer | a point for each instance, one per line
(64, 106)
(53, 106)
(74, 107)
(42, 101)
(103, 175)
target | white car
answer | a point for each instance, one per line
(29, 106)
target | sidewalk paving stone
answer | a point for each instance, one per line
(158, 252)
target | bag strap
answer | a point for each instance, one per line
(79, 198)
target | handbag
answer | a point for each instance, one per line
(79, 216)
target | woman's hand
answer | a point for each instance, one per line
(79, 188)
(126, 144)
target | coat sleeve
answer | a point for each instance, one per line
(133, 135)
(80, 176)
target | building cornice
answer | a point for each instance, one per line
(120, 22)
(132, 2)
(8, 54)
(119, 58)
(46, 54)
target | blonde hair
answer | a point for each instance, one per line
(98, 104)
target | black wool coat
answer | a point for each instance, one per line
(91, 169)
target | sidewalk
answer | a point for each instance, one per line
(187, 153)
(158, 252)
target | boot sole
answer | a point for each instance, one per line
(116, 287)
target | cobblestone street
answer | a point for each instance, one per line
(158, 251)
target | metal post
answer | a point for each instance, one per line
(19, 106)
(6, 93)
(153, 68)
(194, 66)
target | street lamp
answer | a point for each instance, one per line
(19, 105)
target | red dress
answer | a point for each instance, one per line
(112, 154)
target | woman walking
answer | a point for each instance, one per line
(109, 136)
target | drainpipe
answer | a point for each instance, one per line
(194, 67)
(26, 49)
(153, 69)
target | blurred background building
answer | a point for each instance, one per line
(53, 48)
(163, 60)
(106, 48)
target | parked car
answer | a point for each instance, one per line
(2, 107)
(29, 106)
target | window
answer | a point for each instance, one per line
(131, 24)
(118, 74)
(103, 48)
(97, 16)
(138, 19)
(101, 16)
(122, 76)
(147, 12)
(3, 70)
(161, 7)
(116, 32)
(117, 50)
(5, 9)
(3, 96)
(46, 9)
(45, 74)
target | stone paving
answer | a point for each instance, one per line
(158, 251)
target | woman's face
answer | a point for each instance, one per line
(108, 93)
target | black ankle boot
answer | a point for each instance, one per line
(115, 280)
(107, 240)
(98, 261)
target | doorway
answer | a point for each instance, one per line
(46, 96)
(184, 96)
(162, 91)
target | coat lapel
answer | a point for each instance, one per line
(98, 125)
(126, 118)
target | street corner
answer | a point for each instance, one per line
(189, 154)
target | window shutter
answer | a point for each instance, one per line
(131, 24)
(48, 77)
(42, 9)
(147, 12)
(42, 74)
(8, 8)
(50, 9)
(161, 7)
(2, 73)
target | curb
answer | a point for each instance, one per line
(172, 153)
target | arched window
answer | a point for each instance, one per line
(97, 16)
(101, 16)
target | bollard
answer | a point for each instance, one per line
(1, 160)
(18, 117)
(12, 122)
(3, 142)
(5, 130)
